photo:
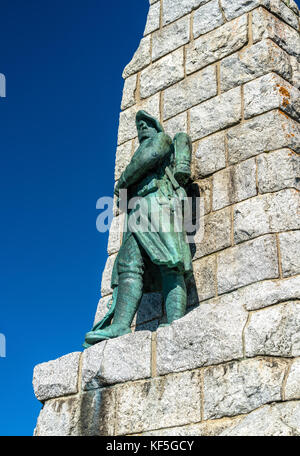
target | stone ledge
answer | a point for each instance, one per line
(210, 334)
(56, 378)
(119, 360)
(135, 407)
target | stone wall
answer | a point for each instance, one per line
(227, 73)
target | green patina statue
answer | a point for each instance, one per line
(155, 254)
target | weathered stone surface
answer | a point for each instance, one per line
(210, 155)
(106, 276)
(92, 360)
(249, 262)
(278, 170)
(162, 74)
(207, 18)
(289, 249)
(97, 411)
(58, 417)
(270, 420)
(119, 360)
(173, 400)
(216, 114)
(153, 18)
(190, 92)
(217, 44)
(128, 98)
(253, 62)
(102, 308)
(280, 8)
(283, 210)
(234, 184)
(176, 124)
(274, 331)
(270, 92)
(267, 132)
(295, 72)
(239, 7)
(127, 127)
(269, 213)
(173, 9)
(170, 38)
(210, 334)
(87, 415)
(293, 5)
(141, 58)
(292, 387)
(115, 234)
(217, 233)
(151, 105)
(266, 25)
(263, 294)
(123, 155)
(240, 387)
(205, 277)
(209, 429)
(56, 378)
(150, 308)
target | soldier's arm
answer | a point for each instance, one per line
(144, 160)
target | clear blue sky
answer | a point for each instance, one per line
(63, 61)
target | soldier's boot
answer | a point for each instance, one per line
(130, 291)
(174, 293)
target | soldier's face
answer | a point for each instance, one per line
(145, 130)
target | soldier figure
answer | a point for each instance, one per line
(157, 258)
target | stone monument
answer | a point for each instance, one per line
(226, 73)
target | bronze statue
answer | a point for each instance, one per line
(157, 258)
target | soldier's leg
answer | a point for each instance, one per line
(174, 293)
(129, 294)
